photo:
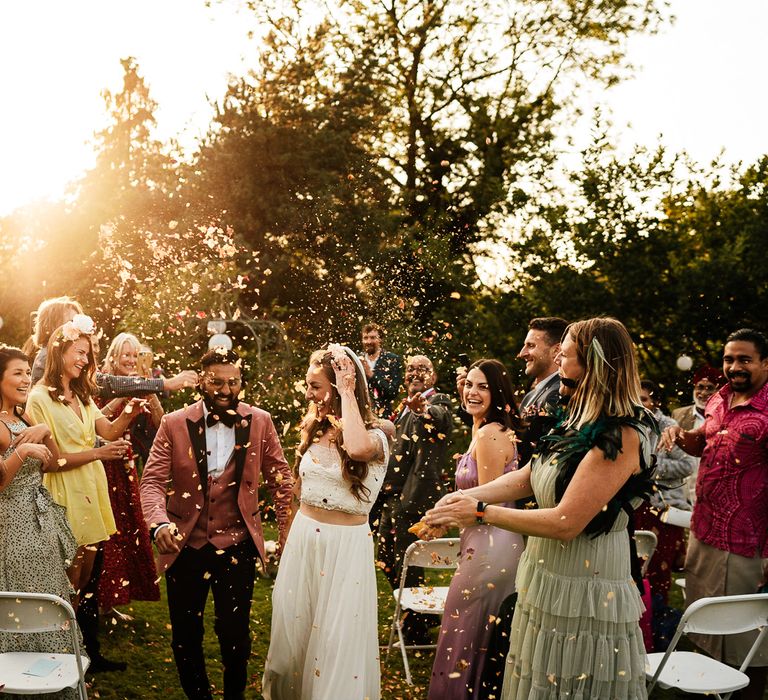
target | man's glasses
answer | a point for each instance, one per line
(705, 387)
(219, 383)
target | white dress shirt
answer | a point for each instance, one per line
(220, 445)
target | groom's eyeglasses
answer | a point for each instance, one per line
(219, 383)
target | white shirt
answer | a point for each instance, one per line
(220, 445)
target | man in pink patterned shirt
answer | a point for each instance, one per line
(728, 549)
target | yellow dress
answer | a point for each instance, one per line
(83, 491)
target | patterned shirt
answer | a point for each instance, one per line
(731, 511)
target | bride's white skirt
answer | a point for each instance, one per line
(324, 637)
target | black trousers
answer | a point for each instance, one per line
(230, 575)
(88, 609)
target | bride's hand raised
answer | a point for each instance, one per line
(344, 368)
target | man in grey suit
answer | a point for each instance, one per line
(414, 480)
(541, 346)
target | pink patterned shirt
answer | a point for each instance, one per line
(731, 511)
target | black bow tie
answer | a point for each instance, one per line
(225, 417)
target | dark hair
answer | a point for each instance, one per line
(368, 327)
(656, 393)
(552, 326)
(503, 409)
(750, 335)
(8, 353)
(220, 356)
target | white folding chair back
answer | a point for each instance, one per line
(698, 673)
(437, 554)
(677, 516)
(25, 613)
(645, 542)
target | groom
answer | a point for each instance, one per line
(200, 497)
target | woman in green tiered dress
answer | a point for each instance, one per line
(575, 631)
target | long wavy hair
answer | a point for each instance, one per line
(503, 409)
(8, 353)
(84, 386)
(611, 384)
(354, 471)
(110, 363)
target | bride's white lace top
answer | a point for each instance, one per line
(323, 485)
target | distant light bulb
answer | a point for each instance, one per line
(220, 340)
(684, 363)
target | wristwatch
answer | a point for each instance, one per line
(480, 513)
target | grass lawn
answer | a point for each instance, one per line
(144, 643)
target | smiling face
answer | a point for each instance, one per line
(126, 360)
(222, 384)
(319, 390)
(745, 371)
(571, 369)
(702, 392)
(419, 374)
(477, 394)
(75, 358)
(539, 355)
(371, 342)
(14, 384)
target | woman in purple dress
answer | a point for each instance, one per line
(489, 556)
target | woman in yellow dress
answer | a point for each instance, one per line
(63, 400)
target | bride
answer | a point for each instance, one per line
(324, 638)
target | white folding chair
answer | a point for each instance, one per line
(698, 673)
(438, 554)
(677, 516)
(35, 673)
(645, 543)
(681, 518)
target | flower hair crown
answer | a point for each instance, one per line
(79, 325)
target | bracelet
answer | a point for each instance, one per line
(480, 512)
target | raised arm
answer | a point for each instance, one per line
(359, 443)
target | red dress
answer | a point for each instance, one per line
(128, 572)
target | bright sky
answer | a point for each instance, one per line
(698, 83)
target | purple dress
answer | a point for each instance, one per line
(485, 577)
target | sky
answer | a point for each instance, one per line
(698, 83)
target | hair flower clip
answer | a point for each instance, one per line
(79, 325)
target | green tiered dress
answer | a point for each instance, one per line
(575, 631)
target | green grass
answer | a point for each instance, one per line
(144, 643)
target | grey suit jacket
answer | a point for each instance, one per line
(419, 456)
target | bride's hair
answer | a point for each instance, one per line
(354, 471)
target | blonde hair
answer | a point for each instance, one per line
(611, 384)
(116, 347)
(50, 316)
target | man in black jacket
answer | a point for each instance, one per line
(413, 483)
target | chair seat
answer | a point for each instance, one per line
(13, 664)
(423, 599)
(695, 673)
